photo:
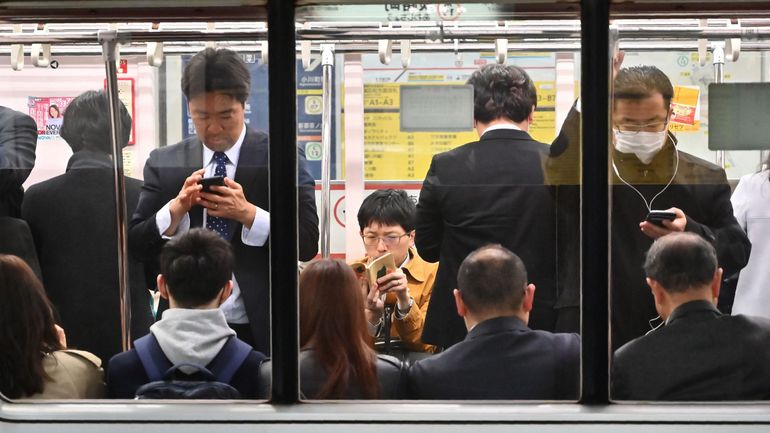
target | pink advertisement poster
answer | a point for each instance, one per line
(48, 113)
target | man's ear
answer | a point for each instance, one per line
(227, 290)
(462, 309)
(716, 284)
(529, 298)
(531, 117)
(162, 286)
(657, 292)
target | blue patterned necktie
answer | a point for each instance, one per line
(218, 224)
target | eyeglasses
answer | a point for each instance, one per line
(387, 240)
(633, 128)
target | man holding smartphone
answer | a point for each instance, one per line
(216, 84)
(656, 189)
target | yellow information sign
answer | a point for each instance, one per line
(390, 154)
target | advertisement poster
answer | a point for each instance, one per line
(48, 113)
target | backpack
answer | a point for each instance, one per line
(168, 382)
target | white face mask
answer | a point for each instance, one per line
(645, 145)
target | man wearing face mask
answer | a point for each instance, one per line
(650, 173)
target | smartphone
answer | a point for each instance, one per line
(208, 182)
(658, 216)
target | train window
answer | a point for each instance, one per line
(679, 237)
(192, 118)
(412, 190)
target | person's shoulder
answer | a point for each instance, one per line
(176, 149)
(15, 118)
(754, 325)
(755, 179)
(78, 357)
(701, 170)
(256, 136)
(123, 360)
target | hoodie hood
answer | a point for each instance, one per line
(191, 336)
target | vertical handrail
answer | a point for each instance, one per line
(595, 218)
(327, 61)
(109, 42)
(283, 201)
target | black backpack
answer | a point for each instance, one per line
(167, 382)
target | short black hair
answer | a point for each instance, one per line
(86, 123)
(492, 278)
(502, 91)
(213, 70)
(387, 206)
(196, 266)
(641, 82)
(681, 261)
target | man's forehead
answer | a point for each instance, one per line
(649, 108)
(375, 226)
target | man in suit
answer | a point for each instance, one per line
(500, 358)
(697, 353)
(72, 219)
(18, 139)
(216, 84)
(489, 191)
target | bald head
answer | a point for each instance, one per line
(492, 278)
(681, 262)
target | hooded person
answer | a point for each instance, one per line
(195, 278)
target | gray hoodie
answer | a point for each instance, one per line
(191, 336)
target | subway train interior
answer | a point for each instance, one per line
(361, 96)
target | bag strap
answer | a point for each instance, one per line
(152, 357)
(229, 359)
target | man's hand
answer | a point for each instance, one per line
(677, 225)
(185, 200)
(228, 202)
(395, 282)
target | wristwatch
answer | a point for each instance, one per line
(401, 314)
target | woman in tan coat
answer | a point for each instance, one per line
(33, 360)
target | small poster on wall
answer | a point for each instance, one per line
(48, 113)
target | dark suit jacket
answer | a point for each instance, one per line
(72, 218)
(165, 172)
(18, 138)
(699, 354)
(489, 191)
(502, 358)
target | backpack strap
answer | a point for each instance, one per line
(152, 357)
(229, 359)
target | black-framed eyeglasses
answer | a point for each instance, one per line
(371, 240)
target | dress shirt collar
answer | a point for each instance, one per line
(232, 153)
(497, 126)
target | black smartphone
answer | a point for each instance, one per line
(658, 216)
(208, 182)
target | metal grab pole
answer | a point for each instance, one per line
(718, 55)
(327, 60)
(109, 41)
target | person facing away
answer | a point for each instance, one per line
(386, 221)
(34, 362)
(697, 353)
(489, 191)
(216, 84)
(195, 278)
(501, 357)
(336, 359)
(18, 139)
(73, 223)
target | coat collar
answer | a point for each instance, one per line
(693, 309)
(417, 268)
(497, 325)
(89, 159)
